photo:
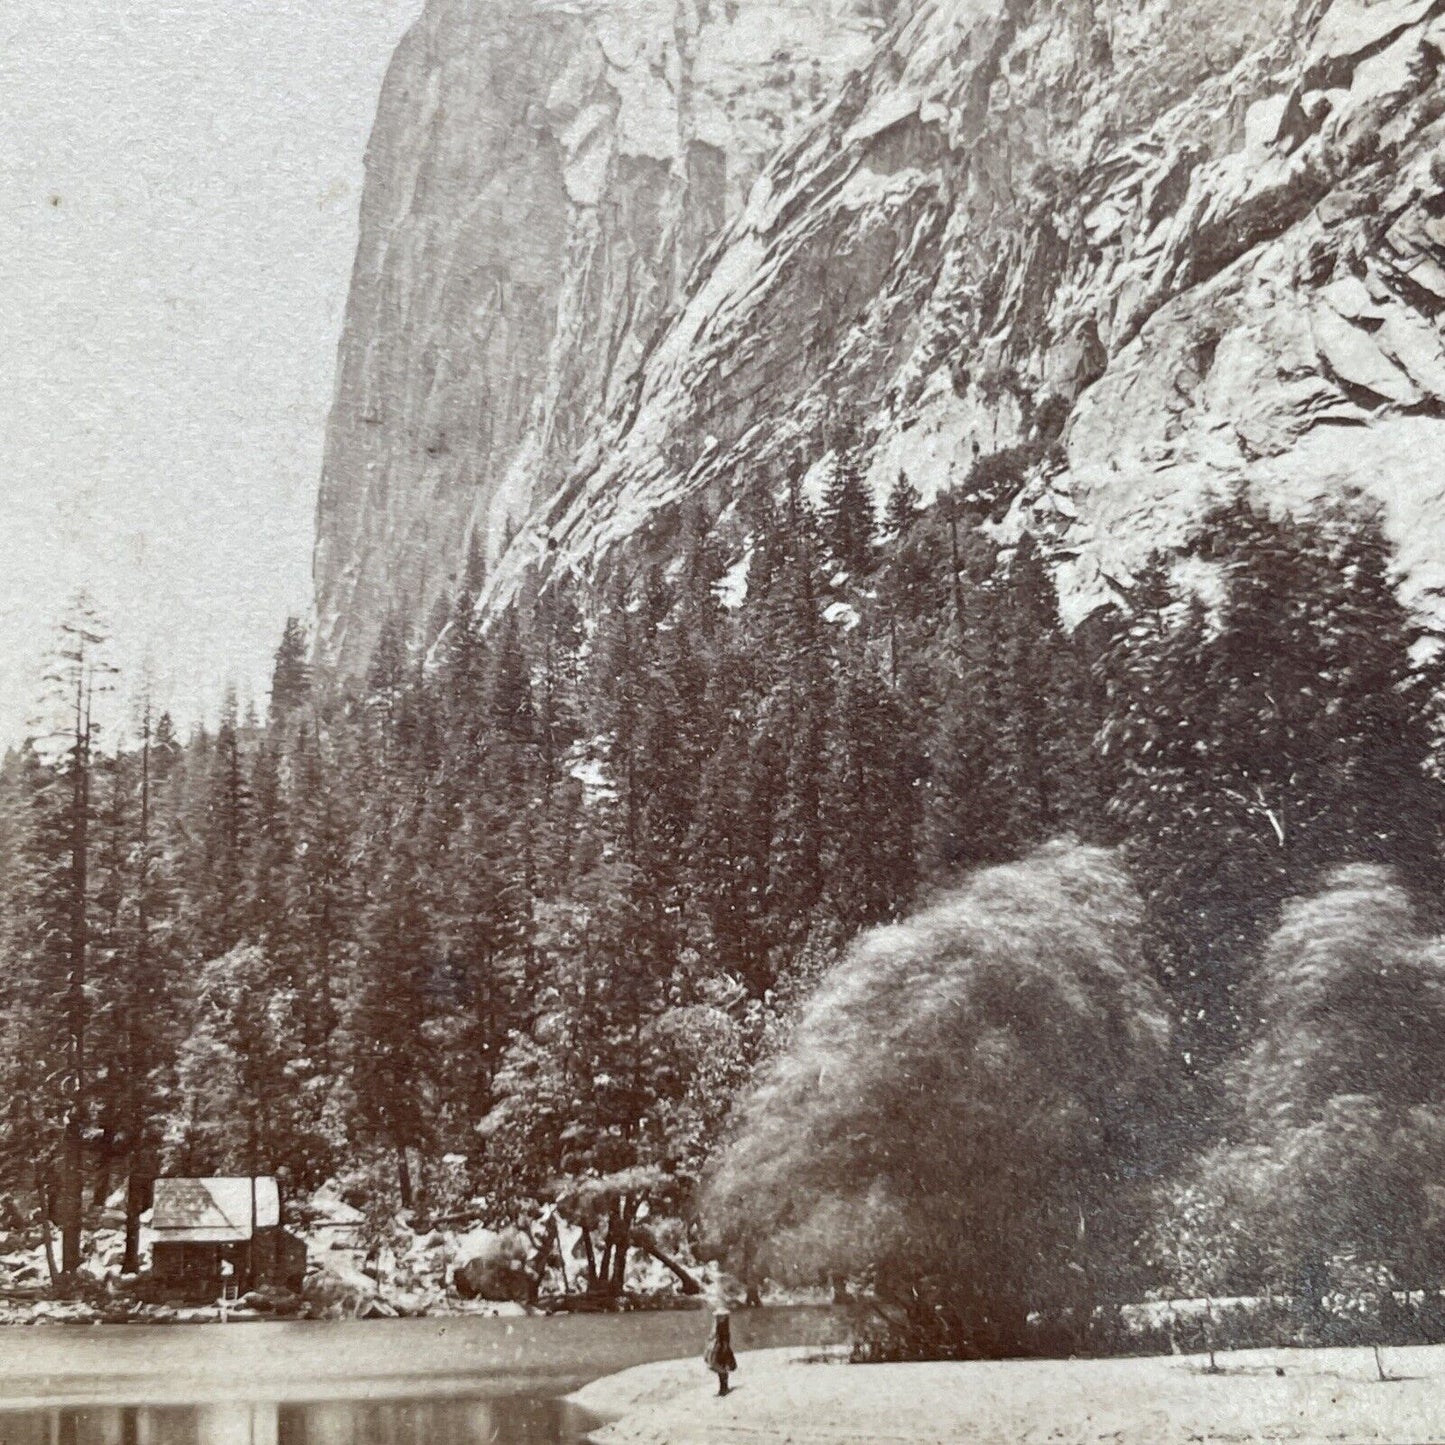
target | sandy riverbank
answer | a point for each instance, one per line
(1323, 1395)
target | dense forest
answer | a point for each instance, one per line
(517, 919)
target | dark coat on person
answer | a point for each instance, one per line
(719, 1357)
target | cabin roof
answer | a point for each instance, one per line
(212, 1211)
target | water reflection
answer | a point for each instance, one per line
(513, 1420)
(483, 1380)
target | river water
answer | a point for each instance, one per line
(524, 1419)
(460, 1381)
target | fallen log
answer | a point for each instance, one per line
(689, 1282)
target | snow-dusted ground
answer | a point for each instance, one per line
(350, 1275)
(1321, 1395)
(410, 1273)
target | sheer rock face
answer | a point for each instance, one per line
(1166, 246)
(541, 177)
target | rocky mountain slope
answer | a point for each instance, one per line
(1155, 246)
(542, 175)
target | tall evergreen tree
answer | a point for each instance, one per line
(57, 925)
(1257, 739)
(902, 508)
(291, 675)
(872, 798)
(849, 522)
(227, 829)
(392, 1080)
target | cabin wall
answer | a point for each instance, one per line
(275, 1258)
(196, 1267)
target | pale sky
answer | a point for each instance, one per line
(179, 182)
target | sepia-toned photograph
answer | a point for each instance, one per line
(722, 721)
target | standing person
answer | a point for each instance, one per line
(719, 1357)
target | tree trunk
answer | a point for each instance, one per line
(72, 1176)
(689, 1282)
(591, 1259)
(555, 1231)
(101, 1192)
(137, 1188)
(1312, 1286)
(71, 1196)
(620, 1252)
(44, 1190)
(403, 1177)
(957, 590)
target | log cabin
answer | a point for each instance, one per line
(199, 1226)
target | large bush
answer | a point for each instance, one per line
(1337, 1147)
(960, 1118)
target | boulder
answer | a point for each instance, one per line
(330, 1297)
(496, 1268)
(273, 1300)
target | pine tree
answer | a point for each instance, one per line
(734, 825)
(113, 869)
(291, 675)
(321, 888)
(1256, 741)
(387, 682)
(872, 799)
(226, 829)
(902, 508)
(31, 1108)
(474, 573)
(848, 521)
(265, 911)
(792, 723)
(1047, 713)
(560, 633)
(147, 977)
(57, 925)
(971, 811)
(392, 1065)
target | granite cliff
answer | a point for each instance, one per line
(542, 176)
(1142, 251)
(1139, 250)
